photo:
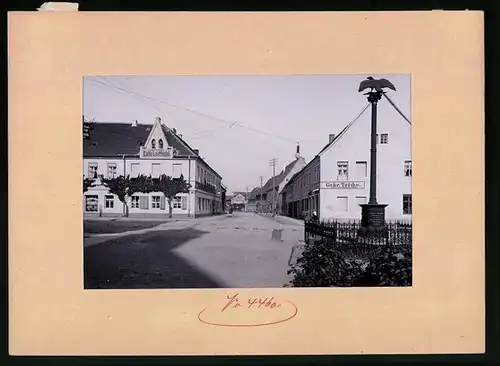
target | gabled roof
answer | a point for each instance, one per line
(118, 139)
(335, 139)
(115, 139)
(253, 193)
(278, 179)
(177, 142)
(244, 194)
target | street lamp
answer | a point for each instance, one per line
(373, 213)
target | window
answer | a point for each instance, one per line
(177, 170)
(384, 138)
(92, 170)
(407, 204)
(91, 203)
(199, 204)
(198, 175)
(342, 203)
(360, 200)
(176, 202)
(160, 143)
(110, 201)
(361, 169)
(155, 170)
(135, 202)
(153, 143)
(134, 170)
(111, 170)
(155, 202)
(407, 168)
(342, 169)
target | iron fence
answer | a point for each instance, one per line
(336, 233)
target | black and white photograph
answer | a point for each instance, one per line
(255, 181)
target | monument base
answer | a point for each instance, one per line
(373, 215)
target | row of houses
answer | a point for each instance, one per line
(336, 181)
(124, 149)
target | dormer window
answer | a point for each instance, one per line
(153, 143)
(160, 143)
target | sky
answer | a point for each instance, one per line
(240, 123)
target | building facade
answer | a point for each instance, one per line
(239, 201)
(120, 149)
(272, 189)
(336, 181)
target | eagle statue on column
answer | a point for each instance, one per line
(375, 85)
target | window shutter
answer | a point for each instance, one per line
(143, 202)
(162, 202)
(184, 203)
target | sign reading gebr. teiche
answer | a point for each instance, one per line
(343, 185)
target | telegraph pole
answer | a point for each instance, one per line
(260, 194)
(273, 163)
(246, 199)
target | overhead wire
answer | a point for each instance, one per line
(227, 122)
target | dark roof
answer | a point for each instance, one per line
(280, 177)
(294, 176)
(115, 139)
(254, 192)
(177, 142)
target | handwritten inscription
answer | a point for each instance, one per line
(344, 185)
(249, 312)
(234, 302)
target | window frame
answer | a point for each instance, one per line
(155, 204)
(134, 202)
(408, 168)
(109, 170)
(96, 173)
(341, 163)
(407, 201)
(89, 197)
(177, 202)
(109, 201)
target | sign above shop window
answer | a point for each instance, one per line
(344, 184)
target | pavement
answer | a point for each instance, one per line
(230, 251)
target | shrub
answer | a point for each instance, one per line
(326, 265)
(323, 265)
(393, 268)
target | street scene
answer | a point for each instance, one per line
(247, 181)
(229, 251)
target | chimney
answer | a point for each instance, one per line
(180, 135)
(297, 154)
(175, 131)
(196, 151)
(134, 123)
(331, 137)
(157, 120)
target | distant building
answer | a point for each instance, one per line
(239, 201)
(337, 180)
(280, 180)
(252, 203)
(114, 149)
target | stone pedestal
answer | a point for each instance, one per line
(373, 215)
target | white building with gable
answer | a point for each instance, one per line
(337, 180)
